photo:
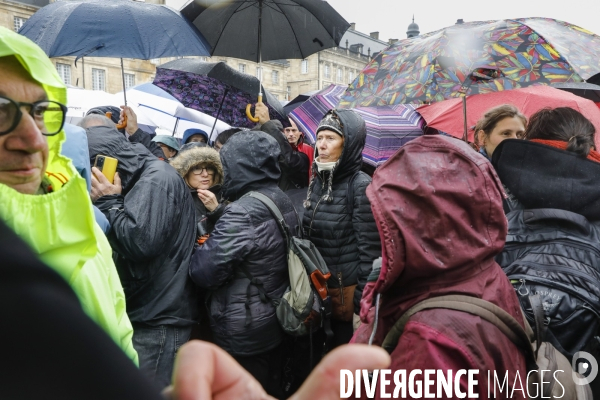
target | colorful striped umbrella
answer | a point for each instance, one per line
(388, 127)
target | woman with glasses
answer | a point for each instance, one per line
(202, 171)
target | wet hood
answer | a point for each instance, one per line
(188, 159)
(250, 161)
(541, 176)
(110, 142)
(438, 206)
(355, 135)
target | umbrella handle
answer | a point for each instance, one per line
(121, 125)
(249, 113)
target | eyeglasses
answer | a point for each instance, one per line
(48, 115)
(197, 170)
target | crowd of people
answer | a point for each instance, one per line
(175, 249)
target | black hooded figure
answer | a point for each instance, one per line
(339, 221)
(152, 234)
(247, 241)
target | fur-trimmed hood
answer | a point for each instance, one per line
(188, 159)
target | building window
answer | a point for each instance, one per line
(304, 66)
(18, 23)
(340, 74)
(64, 71)
(129, 81)
(350, 76)
(259, 73)
(98, 79)
(242, 68)
(327, 72)
(288, 93)
(275, 77)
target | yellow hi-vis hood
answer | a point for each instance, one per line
(60, 226)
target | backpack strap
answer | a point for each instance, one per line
(270, 204)
(472, 305)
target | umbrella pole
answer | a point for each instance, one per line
(175, 127)
(465, 133)
(260, 7)
(123, 76)
(218, 114)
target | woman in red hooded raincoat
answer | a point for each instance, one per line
(438, 207)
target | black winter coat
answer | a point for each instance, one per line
(347, 239)
(246, 237)
(153, 232)
(293, 163)
(74, 358)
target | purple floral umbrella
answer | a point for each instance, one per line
(215, 89)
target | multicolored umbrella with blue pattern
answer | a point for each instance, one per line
(477, 58)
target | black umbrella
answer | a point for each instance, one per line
(215, 89)
(581, 89)
(262, 30)
(297, 101)
(116, 28)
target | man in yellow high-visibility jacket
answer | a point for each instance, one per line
(42, 197)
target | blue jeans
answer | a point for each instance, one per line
(156, 346)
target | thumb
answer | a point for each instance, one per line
(324, 382)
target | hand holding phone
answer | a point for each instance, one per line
(107, 165)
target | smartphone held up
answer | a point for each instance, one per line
(107, 165)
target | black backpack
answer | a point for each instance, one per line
(556, 254)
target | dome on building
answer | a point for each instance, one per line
(413, 29)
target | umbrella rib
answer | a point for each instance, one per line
(223, 30)
(294, 32)
(555, 49)
(250, 4)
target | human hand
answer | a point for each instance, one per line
(324, 381)
(208, 198)
(101, 186)
(261, 111)
(132, 125)
(204, 371)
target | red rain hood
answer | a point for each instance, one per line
(438, 206)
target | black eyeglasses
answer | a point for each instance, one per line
(48, 115)
(197, 170)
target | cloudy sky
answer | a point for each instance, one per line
(391, 17)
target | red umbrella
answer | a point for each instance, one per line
(447, 115)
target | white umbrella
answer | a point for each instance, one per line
(171, 114)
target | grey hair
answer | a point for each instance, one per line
(95, 120)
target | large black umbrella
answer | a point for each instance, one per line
(262, 30)
(265, 30)
(215, 89)
(113, 28)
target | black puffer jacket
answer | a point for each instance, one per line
(246, 237)
(152, 233)
(553, 241)
(348, 242)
